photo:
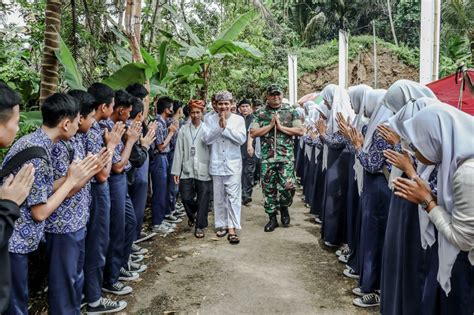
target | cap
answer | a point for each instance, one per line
(272, 88)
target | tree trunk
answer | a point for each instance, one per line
(50, 64)
(156, 13)
(392, 26)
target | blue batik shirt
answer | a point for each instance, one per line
(335, 140)
(374, 161)
(73, 213)
(27, 232)
(161, 134)
(109, 124)
(93, 141)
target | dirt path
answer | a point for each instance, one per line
(287, 272)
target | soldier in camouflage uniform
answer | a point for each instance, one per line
(276, 124)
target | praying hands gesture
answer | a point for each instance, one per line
(153, 125)
(113, 138)
(357, 138)
(17, 188)
(321, 127)
(134, 132)
(401, 161)
(343, 124)
(148, 139)
(80, 171)
(388, 134)
(414, 190)
(222, 120)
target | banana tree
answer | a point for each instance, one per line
(200, 58)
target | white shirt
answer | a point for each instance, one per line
(458, 227)
(226, 158)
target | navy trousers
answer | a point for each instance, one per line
(97, 241)
(138, 193)
(66, 274)
(130, 230)
(352, 205)
(19, 288)
(375, 205)
(118, 195)
(159, 179)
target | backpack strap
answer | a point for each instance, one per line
(70, 150)
(22, 157)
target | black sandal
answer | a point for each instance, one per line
(221, 232)
(190, 223)
(233, 239)
(199, 233)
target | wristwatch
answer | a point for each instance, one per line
(425, 203)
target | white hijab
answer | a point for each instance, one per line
(443, 135)
(403, 91)
(339, 102)
(356, 95)
(427, 232)
(377, 113)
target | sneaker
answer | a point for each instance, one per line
(318, 221)
(344, 250)
(329, 244)
(358, 291)
(118, 288)
(343, 258)
(137, 258)
(368, 300)
(168, 224)
(350, 273)
(135, 268)
(179, 214)
(172, 219)
(138, 250)
(144, 236)
(162, 229)
(107, 306)
(126, 275)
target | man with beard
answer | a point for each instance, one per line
(276, 124)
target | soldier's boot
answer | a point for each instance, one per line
(285, 216)
(272, 223)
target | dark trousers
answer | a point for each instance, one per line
(19, 288)
(130, 230)
(258, 170)
(118, 194)
(65, 275)
(97, 241)
(159, 179)
(195, 195)
(172, 187)
(248, 172)
(138, 193)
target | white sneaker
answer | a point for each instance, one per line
(172, 219)
(350, 273)
(168, 224)
(343, 258)
(162, 229)
(357, 291)
(368, 300)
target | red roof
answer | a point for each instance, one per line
(447, 90)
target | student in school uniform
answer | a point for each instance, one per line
(60, 122)
(122, 216)
(443, 135)
(137, 176)
(159, 167)
(65, 229)
(98, 226)
(138, 189)
(248, 158)
(14, 190)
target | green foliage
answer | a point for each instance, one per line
(71, 74)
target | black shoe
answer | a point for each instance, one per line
(272, 224)
(246, 201)
(285, 216)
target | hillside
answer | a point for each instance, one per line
(319, 66)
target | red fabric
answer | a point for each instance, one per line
(447, 91)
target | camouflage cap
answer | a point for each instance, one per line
(272, 88)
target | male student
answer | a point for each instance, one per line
(14, 190)
(60, 122)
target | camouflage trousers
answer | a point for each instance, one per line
(278, 185)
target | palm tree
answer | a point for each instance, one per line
(50, 64)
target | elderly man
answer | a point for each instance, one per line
(225, 132)
(276, 124)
